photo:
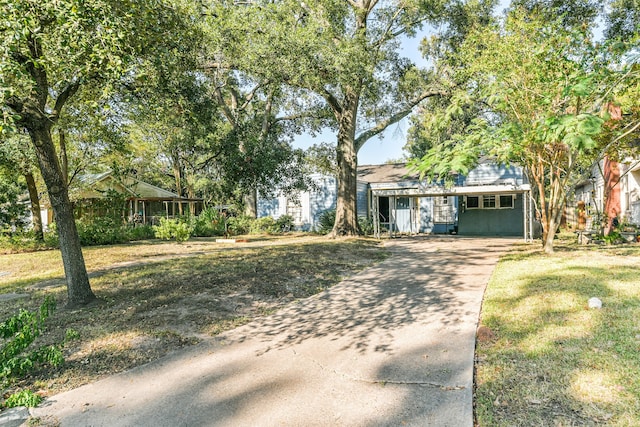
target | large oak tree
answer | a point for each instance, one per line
(345, 55)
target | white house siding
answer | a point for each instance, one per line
(321, 199)
(634, 213)
(305, 207)
(362, 199)
(631, 197)
(492, 173)
(273, 207)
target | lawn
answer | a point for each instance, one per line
(159, 296)
(549, 360)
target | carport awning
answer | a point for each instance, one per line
(452, 191)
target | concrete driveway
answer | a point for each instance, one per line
(391, 346)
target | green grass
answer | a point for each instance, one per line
(554, 361)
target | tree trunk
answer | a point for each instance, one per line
(78, 289)
(35, 206)
(251, 204)
(548, 235)
(177, 174)
(554, 210)
(64, 158)
(346, 223)
(611, 193)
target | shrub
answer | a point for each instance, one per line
(264, 225)
(16, 359)
(210, 222)
(284, 223)
(21, 241)
(140, 232)
(239, 224)
(101, 231)
(326, 221)
(179, 229)
(366, 225)
(613, 238)
(23, 398)
(51, 236)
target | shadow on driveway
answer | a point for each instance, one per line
(392, 345)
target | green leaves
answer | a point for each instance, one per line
(18, 333)
(576, 131)
(49, 46)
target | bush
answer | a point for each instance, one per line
(140, 232)
(18, 333)
(179, 229)
(210, 222)
(326, 221)
(101, 231)
(239, 224)
(284, 223)
(264, 225)
(17, 359)
(22, 241)
(51, 236)
(366, 225)
(23, 398)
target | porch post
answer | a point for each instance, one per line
(375, 208)
(530, 200)
(525, 216)
(392, 215)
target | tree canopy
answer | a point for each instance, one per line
(340, 60)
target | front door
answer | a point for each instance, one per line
(406, 214)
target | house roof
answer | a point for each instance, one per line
(395, 179)
(96, 185)
(390, 172)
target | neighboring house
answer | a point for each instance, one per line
(491, 200)
(305, 207)
(144, 202)
(612, 191)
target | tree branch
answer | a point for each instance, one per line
(332, 101)
(64, 96)
(225, 108)
(381, 126)
(252, 94)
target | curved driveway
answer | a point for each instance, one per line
(390, 346)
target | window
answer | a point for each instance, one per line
(473, 202)
(402, 203)
(489, 201)
(506, 201)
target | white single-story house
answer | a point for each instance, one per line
(492, 200)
